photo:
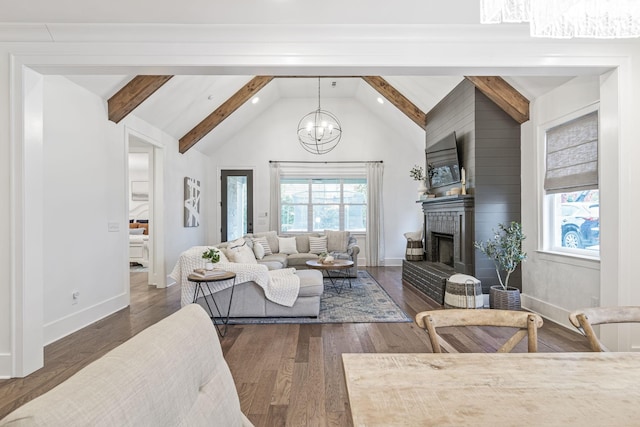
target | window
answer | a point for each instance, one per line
(572, 197)
(316, 204)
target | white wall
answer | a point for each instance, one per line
(273, 137)
(553, 284)
(84, 178)
(85, 189)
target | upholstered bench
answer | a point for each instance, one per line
(249, 299)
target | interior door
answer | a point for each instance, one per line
(236, 204)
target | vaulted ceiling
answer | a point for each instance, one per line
(180, 103)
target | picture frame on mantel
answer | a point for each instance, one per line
(191, 202)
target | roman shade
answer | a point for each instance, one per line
(572, 155)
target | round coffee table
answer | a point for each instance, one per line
(340, 266)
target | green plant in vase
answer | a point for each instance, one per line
(505, 250)
(212, 255)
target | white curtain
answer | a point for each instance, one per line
(375, 216)
(274, 202)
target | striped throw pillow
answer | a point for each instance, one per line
(262, 241)
(317, 245)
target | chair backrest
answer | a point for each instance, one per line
(585, 319)
(527, 324)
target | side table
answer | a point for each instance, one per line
(204, 281)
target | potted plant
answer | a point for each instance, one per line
(417, 173)
(505, 250)
(213, 256)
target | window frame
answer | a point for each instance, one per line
(310, 204)
(548, 224)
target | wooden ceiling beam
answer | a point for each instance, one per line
(397, 99)
(225, 110)
(504, 95)
(133, 94)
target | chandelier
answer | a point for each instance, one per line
(602, 19)
(319, 131)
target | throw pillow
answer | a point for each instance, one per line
(242, 254)
(262, 241)
(317, 245)
(223, 255)
(337, 241)
(258, 250)
(236, 243)
(287, 245)
(272, 238)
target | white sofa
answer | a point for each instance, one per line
(171, 374)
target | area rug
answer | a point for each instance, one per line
(365, 302)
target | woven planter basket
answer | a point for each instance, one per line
(501, 299)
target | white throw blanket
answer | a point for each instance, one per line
(280, 286)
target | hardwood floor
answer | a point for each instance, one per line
(285, 374)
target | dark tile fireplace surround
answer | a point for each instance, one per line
(448, 245)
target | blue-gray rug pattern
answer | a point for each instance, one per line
(365, 302)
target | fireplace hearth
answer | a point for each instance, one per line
(449, 235)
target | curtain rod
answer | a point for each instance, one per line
(338, 161)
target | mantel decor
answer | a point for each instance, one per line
(319, 131)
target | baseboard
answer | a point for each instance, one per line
(5, 366)
(552, 312)
(393, 262)
(60, 328)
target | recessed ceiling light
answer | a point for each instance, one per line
(380, 100)
(255, 100)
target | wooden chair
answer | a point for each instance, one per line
(528, 324)
(585, 319)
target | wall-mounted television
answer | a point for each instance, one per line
(443, 165)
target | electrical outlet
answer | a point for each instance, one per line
(75, 297)
(595, 302)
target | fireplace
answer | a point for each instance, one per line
(448, 225)
(448, 245)
(443, 248)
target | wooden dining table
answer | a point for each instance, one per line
(513, 389)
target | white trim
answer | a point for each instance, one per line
(557, 314)
(156, 276)
(27, 219)
(5, 365)
(64, 326)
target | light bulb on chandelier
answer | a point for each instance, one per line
(319, 131)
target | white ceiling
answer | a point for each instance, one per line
(187, 99)
(184, 101)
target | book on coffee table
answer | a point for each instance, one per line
(202, 273)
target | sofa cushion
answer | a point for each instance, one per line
(302, 241)
(317, 245)
(272, 238)
(264, 243)
(172, 373)
(337, 240)
(310, 283)
(299, 260)
(241, 253)
(258, 250)
(287, 245)
(275, 261)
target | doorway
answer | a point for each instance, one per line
(236, 204)
(145, 207)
